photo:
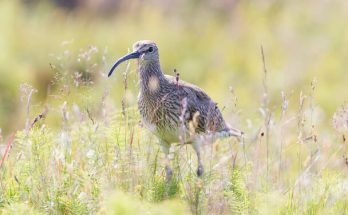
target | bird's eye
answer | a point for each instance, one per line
(151, 49)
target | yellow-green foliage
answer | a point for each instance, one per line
(120, 203)
(90, 154)
(20, 209)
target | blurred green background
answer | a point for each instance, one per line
(213, 44)
(290, 162)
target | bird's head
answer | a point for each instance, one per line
(145, 51)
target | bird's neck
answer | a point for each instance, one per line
(151, 77)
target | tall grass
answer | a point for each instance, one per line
(84, 156)
(80, 148)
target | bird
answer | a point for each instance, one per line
(174, 110)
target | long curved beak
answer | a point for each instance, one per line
(122, 59)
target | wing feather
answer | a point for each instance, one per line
(209, 117)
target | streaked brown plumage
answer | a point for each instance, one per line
(172, 109)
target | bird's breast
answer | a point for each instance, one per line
(161, 115)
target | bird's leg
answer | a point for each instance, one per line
(165, 149)
(196, 147)
(169, 171)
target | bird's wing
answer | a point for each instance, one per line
(189, 88)
(198, 101)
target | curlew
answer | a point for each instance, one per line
(174, 110)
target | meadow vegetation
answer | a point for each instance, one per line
(276, 69)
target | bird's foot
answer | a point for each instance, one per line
(169, 173)
(200, 170)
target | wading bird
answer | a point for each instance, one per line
(174, 110)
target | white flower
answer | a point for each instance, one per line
(82, 196)
(90, 154)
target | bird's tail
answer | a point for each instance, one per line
(230, 132)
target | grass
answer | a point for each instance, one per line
(79, 146)
(101, 160)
